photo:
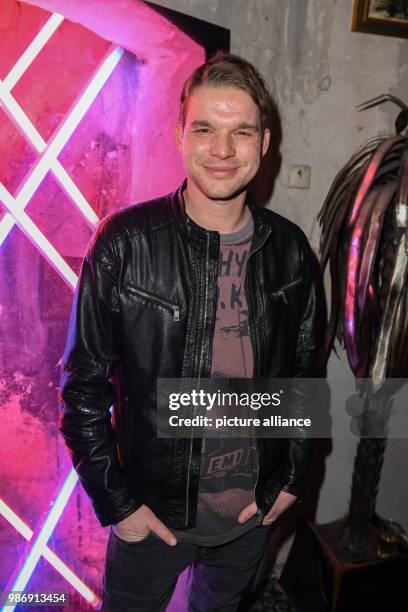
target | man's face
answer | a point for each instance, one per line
(222, 142)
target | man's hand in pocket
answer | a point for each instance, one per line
(137, 526)
(282, 503)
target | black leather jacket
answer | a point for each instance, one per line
(145, 308)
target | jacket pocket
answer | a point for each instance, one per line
(152, 298)
(281, 292)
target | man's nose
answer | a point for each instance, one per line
(222, 146)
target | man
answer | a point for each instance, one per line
(196, 284)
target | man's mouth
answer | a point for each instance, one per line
(221, 171)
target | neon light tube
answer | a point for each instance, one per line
(38, 239)
(24, 124)
(33, 50)
(48, 160)
(38, 546)
(63, 569)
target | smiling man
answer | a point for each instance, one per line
(222, 139)
(200, 283)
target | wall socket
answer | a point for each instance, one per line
(299, 176)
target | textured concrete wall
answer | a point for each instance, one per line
(318, 71)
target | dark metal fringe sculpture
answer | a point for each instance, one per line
(364, 238)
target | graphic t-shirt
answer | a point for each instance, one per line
(228, 465)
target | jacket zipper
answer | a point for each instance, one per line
(259, 520)
(151, 297)
(281, 291)
(199, 375)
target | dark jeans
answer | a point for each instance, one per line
(142, 576)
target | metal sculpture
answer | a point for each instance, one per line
(364, 239)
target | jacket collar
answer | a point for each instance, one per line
(262, 226)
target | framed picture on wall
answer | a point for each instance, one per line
(384, 17)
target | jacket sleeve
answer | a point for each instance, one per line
(86, 393)
(308, 365)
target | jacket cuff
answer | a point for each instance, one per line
(110, 515)
(295, 472)
(294, 489)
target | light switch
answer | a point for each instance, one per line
(299, 177)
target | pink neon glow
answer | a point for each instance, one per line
(33, 49)
(370, 251)
(39, 539)
(112, 158)
(61, 567)
(38, 172)
(369, 176)
(48, 160)
(350, 310)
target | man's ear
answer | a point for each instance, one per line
(178, 135)
(265, 141)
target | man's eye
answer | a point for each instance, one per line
(243, 133)
(202, 131)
